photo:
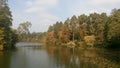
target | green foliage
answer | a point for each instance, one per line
(23, 31)
(7, 37)
(114, 29)
(24, 34)
(24, 28)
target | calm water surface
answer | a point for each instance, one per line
(53, 57)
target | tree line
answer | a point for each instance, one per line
(7, 35)
(24, 34)
(93, 30)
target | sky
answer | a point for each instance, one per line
(43, 13)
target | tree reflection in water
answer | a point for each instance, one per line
(80, 58)
(4, 60)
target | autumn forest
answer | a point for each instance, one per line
(79, 41)
(93, 30)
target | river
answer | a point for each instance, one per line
(58, 57)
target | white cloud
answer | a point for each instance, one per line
(91, 6)
(39, 10)
(40, 5)
(34, 9)
(42, 2)
(42, 13)
(42, 22)
(104, 2)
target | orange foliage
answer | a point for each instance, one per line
(51, 36)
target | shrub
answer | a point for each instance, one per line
(90, 40)
(71, 44)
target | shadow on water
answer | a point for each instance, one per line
(112, 55)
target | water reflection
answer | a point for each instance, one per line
(5, 58)
(29, 57)
(59, 57)
(28, 44)
(92, 58)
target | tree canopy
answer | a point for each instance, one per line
(7, 36)
(103, 29)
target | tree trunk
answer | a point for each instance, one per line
(73, 36)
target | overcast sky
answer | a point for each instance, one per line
(42, 13)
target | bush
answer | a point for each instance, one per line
(82, 44)
(1, 47)
(71, 44)
(89, 40)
